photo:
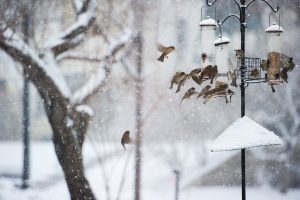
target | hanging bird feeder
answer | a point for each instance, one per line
(222, 55)
(208, 27)
(274, 33)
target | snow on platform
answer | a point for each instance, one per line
(244, 133)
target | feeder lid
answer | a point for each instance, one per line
(221, 40)
(274, 29)
(244, 133)
(208, 22)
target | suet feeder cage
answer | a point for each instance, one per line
(274, 33)
(222, 56)
(208, 28)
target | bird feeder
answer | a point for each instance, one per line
(274, 33)
(222, 55)
(208, 27)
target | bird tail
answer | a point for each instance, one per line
(161, 58)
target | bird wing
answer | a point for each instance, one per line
(160, 47)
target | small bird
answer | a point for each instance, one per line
(179, 78)
(204, 91)
(254, 74)
(195, 74)
(287, 62)
(220, 89)
(210, 72)
(188, 94)
(125, 139)
(232, 76)
(164, 51)
(284, 75)
(203, 57)
(238, 53)
(264, 65)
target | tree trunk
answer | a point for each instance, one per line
(68, 147)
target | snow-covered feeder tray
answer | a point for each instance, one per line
(244, 133)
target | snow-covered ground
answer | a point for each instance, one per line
(157, 173)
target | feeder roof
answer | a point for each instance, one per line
(208, 22)
(244, 133)
(222, 40)
(274, 29)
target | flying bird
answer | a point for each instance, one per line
(188, 94)
(125, 139)
(195, 74)
(164, 51)
(179, 78)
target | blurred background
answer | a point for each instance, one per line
(174, 136)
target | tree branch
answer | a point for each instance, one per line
(73, 36)
(99, 79)
(35, 69)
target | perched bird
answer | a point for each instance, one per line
(284, 75)
(179, 78)
(125, 139)
(264, 65)
(209, 71)
(287, 62)
(164, 51)
(203, 57)
(254, 74)
(195, 74)
(232, 76)
(188, 94)
(219, 90)
(204, 91)
(238, 53)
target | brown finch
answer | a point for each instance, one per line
(210, 71)
(238, 53)
(195, 74)
(125, 139)
(164, 51)
(188, 94)
(203, 57)
(204, 91)
(254, 73)
(179, 78)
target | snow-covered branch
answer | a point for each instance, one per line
(42, 74)
(100, 78)
(79, 56)
(73, 35)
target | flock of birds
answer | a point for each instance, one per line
(221, 89)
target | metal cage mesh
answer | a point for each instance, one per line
(253, 71)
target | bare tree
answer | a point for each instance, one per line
(67, 112)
